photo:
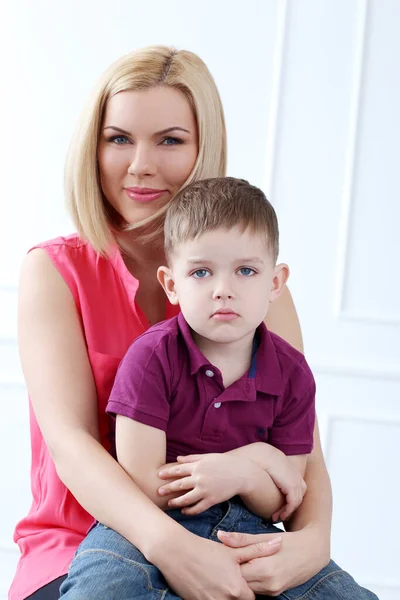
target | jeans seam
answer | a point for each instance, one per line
(316, 585)
(127, 560)
(215, 529)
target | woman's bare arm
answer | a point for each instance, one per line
(316, 508)
(61, 386)
(282, 319)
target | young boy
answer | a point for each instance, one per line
(212, 388)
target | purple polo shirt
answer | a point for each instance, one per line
(166, 382)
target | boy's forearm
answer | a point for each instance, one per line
(259, 493)
(259, 452)
(150, 484)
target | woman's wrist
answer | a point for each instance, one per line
(163, 541)
(318, 541)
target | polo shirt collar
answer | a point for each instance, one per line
(196, 358)
(264, 369)
(265, 366)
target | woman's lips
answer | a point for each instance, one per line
(144, 194)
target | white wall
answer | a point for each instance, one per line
(311, 90)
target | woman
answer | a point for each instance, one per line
(155, 123)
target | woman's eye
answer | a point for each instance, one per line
(201, 273)
(171, 141)
(119, 140)
(246, 271)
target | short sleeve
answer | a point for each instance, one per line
(142, 386)
(293, 428)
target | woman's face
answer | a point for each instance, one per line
(148, 147)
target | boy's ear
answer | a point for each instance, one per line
(165, 277)
(281, 275)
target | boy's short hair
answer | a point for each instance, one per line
(219, 202)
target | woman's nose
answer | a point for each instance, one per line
(142, 162)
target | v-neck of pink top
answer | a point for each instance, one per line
(105, 295)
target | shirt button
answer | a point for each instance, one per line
(209, 373)
(217, 404)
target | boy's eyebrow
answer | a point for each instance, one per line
(162, 132)
(198, 261)
(202, 261)
(252, 259)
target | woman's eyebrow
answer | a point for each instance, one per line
(117, 129)
(169, 129)
(162, 132)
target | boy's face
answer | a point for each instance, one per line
(223, 281)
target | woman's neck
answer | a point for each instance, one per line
(138, 255)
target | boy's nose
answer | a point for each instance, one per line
(223, 292)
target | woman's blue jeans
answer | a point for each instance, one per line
(107, 566)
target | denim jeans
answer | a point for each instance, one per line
(107, 566)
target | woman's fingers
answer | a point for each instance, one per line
(241, 540)
(175, 471)
(180, 485)
(259, 549)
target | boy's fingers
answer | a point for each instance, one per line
(176, 471)
(276, 517)
(186, 500)
(180, 485)
(189, 458)
(196, 509)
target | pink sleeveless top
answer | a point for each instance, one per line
(104, 292)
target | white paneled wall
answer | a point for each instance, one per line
(311, 90)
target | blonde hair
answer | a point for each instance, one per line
(220, 202)
(142, 69)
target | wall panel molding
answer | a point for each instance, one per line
(344, 370)
(351, 163)
(276, 98)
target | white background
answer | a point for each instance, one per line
(311, 90)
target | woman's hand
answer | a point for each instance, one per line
(301, 556)
(200, 569)
(205, 480)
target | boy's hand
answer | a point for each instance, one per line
(204, 480)
(287, 477)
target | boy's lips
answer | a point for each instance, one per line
(224, 314)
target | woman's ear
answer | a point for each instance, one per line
(281, 274)
(165, 277)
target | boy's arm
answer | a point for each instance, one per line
(141, 452)
(217, 477)
(287, 474)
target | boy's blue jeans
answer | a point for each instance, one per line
(107, 566)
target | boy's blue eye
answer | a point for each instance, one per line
(201, 273)
(246, 271)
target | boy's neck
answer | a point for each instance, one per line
(233, 359)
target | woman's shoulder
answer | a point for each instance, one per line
(74, 258)
(70, 254)
(64, 244)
